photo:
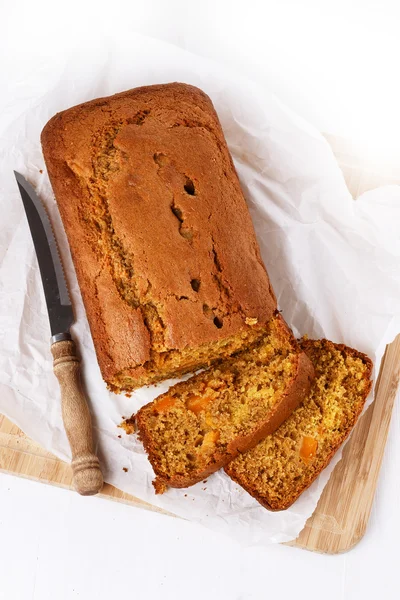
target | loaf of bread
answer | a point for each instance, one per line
(285, 464)
(160, 234)
(201, 424)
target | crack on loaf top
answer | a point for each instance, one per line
(110, 248)
(231, 307)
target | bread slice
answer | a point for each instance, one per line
(278, 470)
(201, 424)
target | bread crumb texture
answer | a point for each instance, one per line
(284, 464)
(200, 424)
(128, 425)
(160, 234)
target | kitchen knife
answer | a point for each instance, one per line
(88, 479)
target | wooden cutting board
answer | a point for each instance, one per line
(342, 513)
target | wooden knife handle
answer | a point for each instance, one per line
(88, 478)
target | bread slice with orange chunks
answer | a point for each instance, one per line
(278, 470)
(201, 424)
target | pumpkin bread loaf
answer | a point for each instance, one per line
(160, 234)
(284, 464)
(201, 424)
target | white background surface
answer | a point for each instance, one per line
(56, 545)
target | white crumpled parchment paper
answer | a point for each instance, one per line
(334, 262)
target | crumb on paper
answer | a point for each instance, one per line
(41, 171)
(205, 481)
(185, 495)
(128, 395)
(251, 321)
(159, 486)
(128, 425)
(120, 436)
(125, 469)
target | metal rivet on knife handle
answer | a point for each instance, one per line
(88, 479)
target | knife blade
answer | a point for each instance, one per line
(58, 303)
(87, 476)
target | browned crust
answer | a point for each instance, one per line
(307, 346)
(120, 332)
(297, 388)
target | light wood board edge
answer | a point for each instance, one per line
(341, 517)
(21, 456)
